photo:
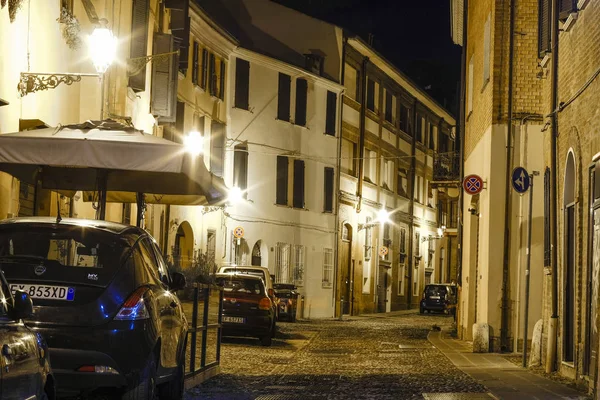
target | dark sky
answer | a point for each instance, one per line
(412, 34)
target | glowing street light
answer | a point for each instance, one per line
(383, 217)
(236, 196)
(103, 47)
(194, 143)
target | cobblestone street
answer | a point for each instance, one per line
(378, 357)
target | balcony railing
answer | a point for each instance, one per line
(446, 167)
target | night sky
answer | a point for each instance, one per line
(414, 35)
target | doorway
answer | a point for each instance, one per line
(346, 289)
(569, 262)
(382, 288)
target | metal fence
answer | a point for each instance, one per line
(203, 312)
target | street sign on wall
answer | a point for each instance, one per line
(473, 184)
(520, 180)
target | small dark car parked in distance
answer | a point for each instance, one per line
(26, 372)
(104, 301)
(438, 297)
(288, 301)
(247, 308)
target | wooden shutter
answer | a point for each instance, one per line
(222, 81)
(371, 95)
(195, 64)
(240, 167)
(331, 113)
(566, 7)
(204, 76)
(164, 79)
(283, 97)
(301, 98)
(180, 28)
(388, 106)
(217, 147)
(242, 76)
(281, 195)
(329, 175)
(298, 184)
(212, 75)
(544, 27)
(139, 41)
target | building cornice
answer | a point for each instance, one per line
(205, 29)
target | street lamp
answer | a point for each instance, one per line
(194, 143)
(236, 196)
(383, 217)
(103, 47)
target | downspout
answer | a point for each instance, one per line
(552, 334)
(411, 206)
(338, 179)
(461, 133)
(361, 140)
(507, 208)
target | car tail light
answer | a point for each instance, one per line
(265, 303)
(289, 302)
(99, 369)
(134, 307)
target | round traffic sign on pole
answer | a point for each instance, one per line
(383, 251)
(473, 184)
(520, 180)
(238, 232)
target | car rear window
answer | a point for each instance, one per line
(252, 272)
(241, 285)
(67, 252)
(435, 290)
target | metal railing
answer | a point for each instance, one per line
(446, 166)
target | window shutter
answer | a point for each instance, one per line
(301, 98)
(180, 28)
(164, 79)
(566, 7)
(298, 184)
(240, 167)
(242, 84)
(283, 97)
(222, 81)
(204, 76)
(329, 174)
(217, 147)
(195, 65)
(139, 41)
(388, 106)
(544, 27)
(419, 128)
(331, 113)
(281, 195)
(371, 95)
(180, 117)
(486, 48)
(212, 75)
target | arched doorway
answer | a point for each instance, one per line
(183, 249)
(569, 229)
(257, 254)
(346, 270)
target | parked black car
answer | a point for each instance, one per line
(24, 360)
(105, 302)
(247, 308)
(438, 297)
(288, 301)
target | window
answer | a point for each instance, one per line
(401, 280)
(327, 280)
(387, 240)
(351, 82)
(346, 232)
(420, 128)
(298, 268)
(402, 186)
(368, 240)
(282, 181)
(470, 88)
(298, 190)
(390, 107)
(328, 189)
(348, 161)
(195, 64)
(211, 246)
(547, 211)
(139, 41)
(370, 167)
(222, 80)
(126, 216)
(417, 245)
(430, 194)
(204, 77)
(301, 98)
(544, 27)
(283, 97)
(283, 272)
(212, 75)
(418, 191)
(331, 113)
(387, 174)
(242, 84)
(402, 241)
(486, 49)
(432, 136)
(240, 168)
(371, 94)
(217, 147)
(404, 119)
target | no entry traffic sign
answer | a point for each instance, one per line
(473, 184)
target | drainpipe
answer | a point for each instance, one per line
(411, 206)
(361, 141)
(460, 134)
(552, 334)
(507, 208)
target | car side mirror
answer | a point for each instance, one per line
(22, 306)
(177, 281)
(271, 293)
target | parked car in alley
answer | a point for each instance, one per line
(438, 297)
(104, 301)
(288, 301)
(26, 372)
(247, 307)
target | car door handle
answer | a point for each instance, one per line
(7, 351)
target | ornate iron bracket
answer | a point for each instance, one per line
(137, 65)
(34, 82)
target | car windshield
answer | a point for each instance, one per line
(435, 290)
(252, 272)
(241, 285)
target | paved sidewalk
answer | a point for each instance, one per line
(503, 378)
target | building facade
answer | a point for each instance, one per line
(391, 131)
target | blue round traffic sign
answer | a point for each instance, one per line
(520, 180)
(473, 184)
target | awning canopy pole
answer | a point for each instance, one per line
(102, 182)
(141, 209)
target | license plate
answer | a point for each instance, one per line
(46, 292)
(235, 320)
(435, 297)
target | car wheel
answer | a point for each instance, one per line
(266, 340)
(421, 310)
(173, 390)
(274, 330)
(294, 317)
(143, 387)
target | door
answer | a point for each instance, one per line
(592, 347)
(346, 278)
(569, 287)
(382, 289)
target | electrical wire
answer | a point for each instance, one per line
(278, 223)
(565, 104)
